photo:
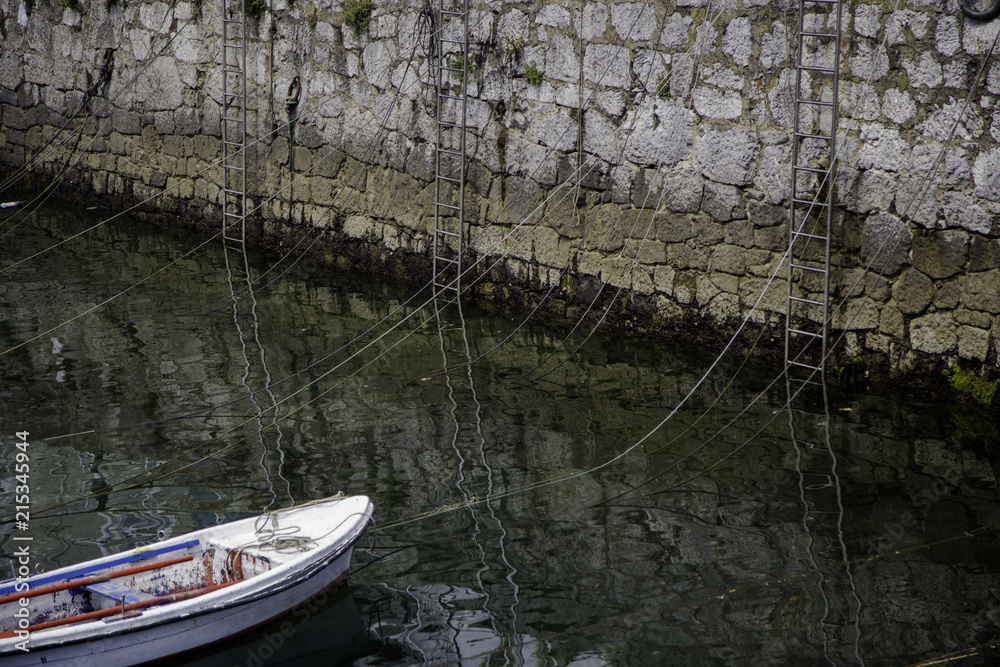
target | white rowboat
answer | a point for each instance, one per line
(183, 593)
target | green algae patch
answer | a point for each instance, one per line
(967, 382)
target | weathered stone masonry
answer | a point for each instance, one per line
(684, 136)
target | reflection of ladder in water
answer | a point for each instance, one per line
(234, 123)
(817, 78)
(838, 607)
(469, 446)
(449, 162)
(255, 371)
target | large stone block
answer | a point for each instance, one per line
(986, 175)
(673, 228)
(726, 282)
(723, 202)
(676, 31)
(973, 343)
(528, 159)
(11, 69)
(681, 75)
(37, 69)
(663, 279)
(981, 291)
(728, 156)
(126, 122)
(600, 137)
(934, 333)
(377, 58)
(561, 62)
(984, 254)
(740, 233)
(773, 173)
(634, 21)
(886, 243)
(874, 190)
(678, 190)
(688, 256)
(891, 321)
(643, 246)
(898, 106)
(858, 314)
(940, 254)
(609, 229)
(883, 148)
(607, 65)
(925, 72)
(717, 104)
(762, 214)
(913, 292)
(737, 42)
(728, 259)
(651, 69)
(771, 238)
(159, 86)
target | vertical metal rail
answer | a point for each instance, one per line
(814, 142)
(234, 123)
(449, 163)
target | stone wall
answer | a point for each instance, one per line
(653, 155)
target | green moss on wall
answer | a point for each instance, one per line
(967, 382)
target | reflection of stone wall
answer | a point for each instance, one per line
(685, 125)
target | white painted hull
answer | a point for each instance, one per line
(178, 627)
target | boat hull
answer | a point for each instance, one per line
(171, 630)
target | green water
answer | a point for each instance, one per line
(517, 520)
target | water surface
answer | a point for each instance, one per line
(517, 521)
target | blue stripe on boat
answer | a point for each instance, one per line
(41, 580)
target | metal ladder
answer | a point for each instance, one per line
(814, 138)
(807, 309)
(449, 162)
(234, 123)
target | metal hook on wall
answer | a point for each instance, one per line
(292, 98)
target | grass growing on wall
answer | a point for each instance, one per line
(533, 74)
(457, 61)
(357, 15)
(256, 8)
(662, 87)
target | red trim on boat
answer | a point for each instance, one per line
(111, 611)
(86, 581)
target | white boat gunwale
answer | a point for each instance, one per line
(282, 576)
